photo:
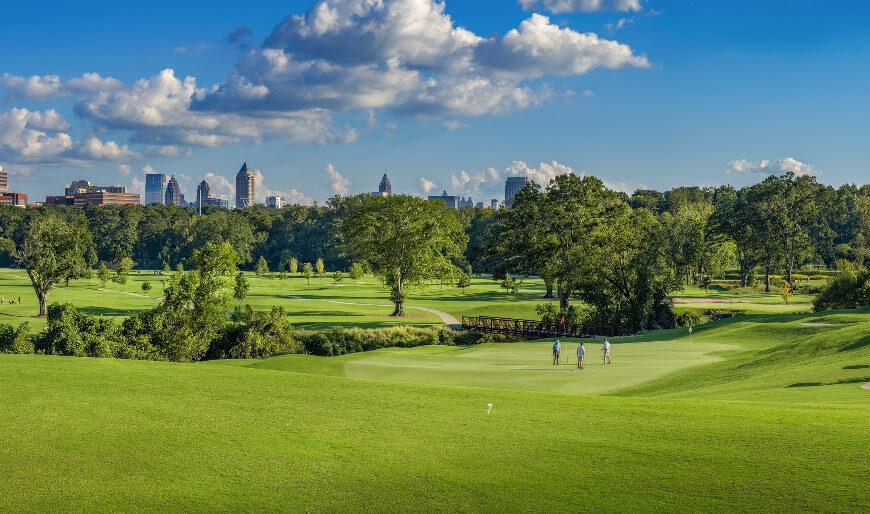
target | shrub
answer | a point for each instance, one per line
(850, 290)
(264, 334)
(15, 339)
(690, 317)
(340, 341)
(550, 313)
(70, 332)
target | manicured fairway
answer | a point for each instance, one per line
(325, 304)
(108, 435)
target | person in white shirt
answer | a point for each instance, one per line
(581, 351)
(606, 350)
(557, 351)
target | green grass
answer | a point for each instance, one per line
(109, 435)
(759, 412)
(325, 304)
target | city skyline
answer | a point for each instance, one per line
(634, 93)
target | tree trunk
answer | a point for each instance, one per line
(549, 293)
(43, 299)
(767, 278)
(400, 309)
(564, 298)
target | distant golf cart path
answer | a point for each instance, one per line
(448, 319)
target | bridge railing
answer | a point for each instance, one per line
(534, 328)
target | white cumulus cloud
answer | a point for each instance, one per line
(337, 182)
(563, 6)
(768, 167)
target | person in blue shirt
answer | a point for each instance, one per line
(557, 351)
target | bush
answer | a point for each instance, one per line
(690, 317)
(850, 290)
(262, 335)
(341, 341)
(70, 332)
(15, 339)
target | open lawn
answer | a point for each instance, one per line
(325, 304)
(762, 413)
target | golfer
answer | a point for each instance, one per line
(557, 351)
(581, 351)
(606, 350)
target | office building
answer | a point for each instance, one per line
(105, 196)
(384, 188)
(244, 187)
(16, 199)
(173, 194)
(465, 202)
(512, 187)
(223, 203)
(60, 200)
(494, 203)
(78, 186)
(4, 180)
(155, 187)
(449, 200)
(82, 192)
(203, 191)
(275, 202)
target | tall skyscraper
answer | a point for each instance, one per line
(173, 193)
(385, 189)
(4, 180)
(512, 187)
(155, 187)
(203, 192)
(244, 187)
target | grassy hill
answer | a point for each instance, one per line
(762, 413)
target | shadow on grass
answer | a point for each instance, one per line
(857, 366)
(838, 382)
(109, 311)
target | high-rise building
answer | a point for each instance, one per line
(385, 188)
(275, 202)
(512, 187)
(494, 203)
(203, 191)
(4, 180)
(244, 187)
(155, 187)
(173, 193)
(449, 200)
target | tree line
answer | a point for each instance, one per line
(622, 256)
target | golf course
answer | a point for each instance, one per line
(763, 411)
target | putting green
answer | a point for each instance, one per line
(523, 366)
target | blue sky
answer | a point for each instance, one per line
(680, 93)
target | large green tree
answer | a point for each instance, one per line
(407, 240)
(52, 250)
(558, 229)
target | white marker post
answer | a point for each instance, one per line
(489, 408)
(690, 338)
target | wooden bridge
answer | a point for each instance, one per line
(533, 329)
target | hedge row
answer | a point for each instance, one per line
(258, 335)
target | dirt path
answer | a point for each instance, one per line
(448, 319)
